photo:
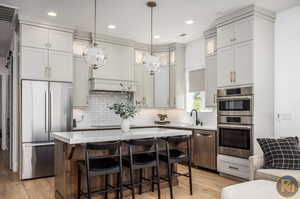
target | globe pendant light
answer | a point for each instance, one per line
(94, 55)
(151, 62)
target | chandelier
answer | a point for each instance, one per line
(151, 62)
(94, 55)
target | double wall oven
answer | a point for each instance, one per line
(235, 111)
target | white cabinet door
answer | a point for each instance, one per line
(80, 82)
(211, 81)
(34, 63)
(226, 35)
(244, 30)
(161, 82)
(139, 80)
(211, 46)
(61, 66)
(33, 36)
(243, 73)
(225, 62)
(61, 41)
(148, 89)
(119, 64)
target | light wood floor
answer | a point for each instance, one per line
(206, 185)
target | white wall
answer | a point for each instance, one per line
(287, 73)
(195, 55)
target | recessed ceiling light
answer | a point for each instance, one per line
(111, 26)
(156, 36)
(52, 14)
(189, 22)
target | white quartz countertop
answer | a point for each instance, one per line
(179, 125)
(80, 137)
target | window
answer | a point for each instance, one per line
(195, 97)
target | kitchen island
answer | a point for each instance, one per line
(69, 149)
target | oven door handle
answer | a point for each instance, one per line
(235, 98)
(235, 126)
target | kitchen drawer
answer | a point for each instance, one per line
(235, 167)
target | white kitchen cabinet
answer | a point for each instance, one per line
(144, 86)
(81, 83)
(225, 69)
(61, 66)
(34, 36)
(61, 41)
(236, 32)
(119, 65)
(226, 35)
(45, 38)
(243, 30)
(211, 81)
(34, 63)
(243, 70)
(162, 88)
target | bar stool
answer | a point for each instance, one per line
(172, 156)
(147, 158)
(103, 165)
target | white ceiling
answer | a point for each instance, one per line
(132, 17)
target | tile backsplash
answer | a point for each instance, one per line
(97, 113)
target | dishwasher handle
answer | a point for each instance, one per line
(203, 134)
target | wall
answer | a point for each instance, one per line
(287, 72)
(2, 61)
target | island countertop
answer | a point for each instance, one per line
(81, 137)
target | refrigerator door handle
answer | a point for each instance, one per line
(38, 144)
(50, 111)
(46, 113)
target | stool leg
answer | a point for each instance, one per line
(106, 186)
(88, 184)
(170, 178)
(153, 177)
(141, 180)
(190, 164)
(157, 170)
(78, 182)
(118, 185)
(131, 182)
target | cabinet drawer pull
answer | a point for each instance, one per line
(233, 168)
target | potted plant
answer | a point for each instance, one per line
(126, 110)
(162, 117)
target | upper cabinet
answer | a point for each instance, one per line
(211, 46)
(45, 38)
(119, 65)
(235, 32)
(166, 88)
(235, 53)
(46, 54)
(81, 82)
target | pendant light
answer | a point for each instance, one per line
(94, 55)
(151, 62)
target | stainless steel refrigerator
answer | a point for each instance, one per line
(46, 108)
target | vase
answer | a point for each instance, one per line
(125, 125)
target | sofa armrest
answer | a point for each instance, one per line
(256, 162)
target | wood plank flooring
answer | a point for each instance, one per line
(206, 185)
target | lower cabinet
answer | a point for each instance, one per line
(205, 149)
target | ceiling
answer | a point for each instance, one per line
(132, 17)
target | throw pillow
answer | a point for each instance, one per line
(282, 153)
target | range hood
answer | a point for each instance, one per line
(101, 84)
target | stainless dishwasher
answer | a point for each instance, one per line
(205, 149)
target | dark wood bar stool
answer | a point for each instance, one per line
(103, 165)
(148, 158)
(172, 156)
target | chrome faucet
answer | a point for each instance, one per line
(197, 120)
